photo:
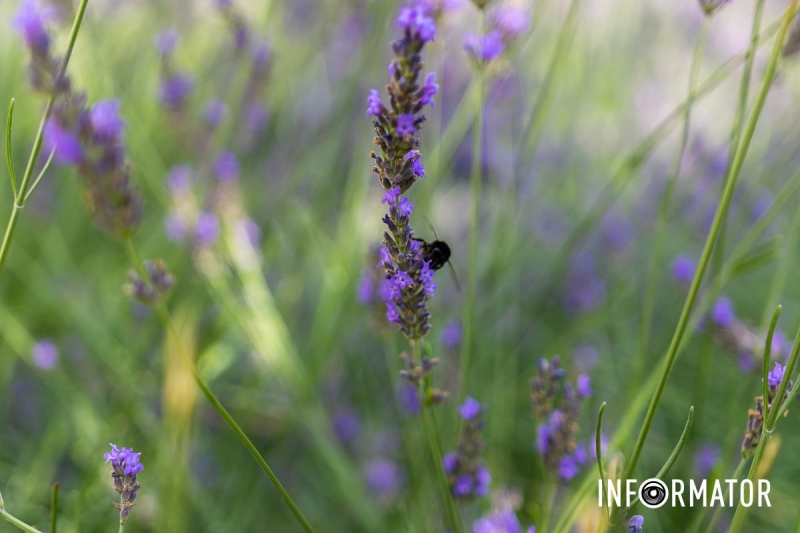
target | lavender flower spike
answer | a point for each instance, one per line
(398, 167)
(126, 465)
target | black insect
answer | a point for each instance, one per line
(437, 253)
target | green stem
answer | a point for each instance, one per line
(163, 313)
(17, 522)
(121, 527)
(476, 175)
(733, 173)
(54, 509)
(656, 260)
(435, 446)
(718, 511)
(21, 196)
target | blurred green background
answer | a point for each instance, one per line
(282, 337)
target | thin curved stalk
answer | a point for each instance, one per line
(22, 192)
(727, 195)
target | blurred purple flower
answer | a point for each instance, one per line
(44, 354)
(346, 426)
(568, 468)
(30, 21)
(105, 119)
(542, 437)
(683, 268)
(482, 480)
(449, 462)
(166, 41)
(451, 334)
(486, 48)
(502, 521)
(511, 20)
(176, 227)
(409, 397)
(174, 90)
(722, 313)
(206, 229)
(463, 486)
(635, 524)
(215, 111)
(226, 167)
(180, 179)
(705, 459)
(775, 376)
(584, 385)
(256, 117)
(383, 477)
(67, 145)
(374, 105)
(470, 408)
(415, 21)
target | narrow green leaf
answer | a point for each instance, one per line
(9, 159)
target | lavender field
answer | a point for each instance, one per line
(467, 266)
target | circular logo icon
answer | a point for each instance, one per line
(653, 493)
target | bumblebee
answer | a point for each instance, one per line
(437, 253)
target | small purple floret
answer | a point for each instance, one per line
(125, 461)
(374, 105)
(67, 145)
(470, 408)
(105, 119)
(405, 125)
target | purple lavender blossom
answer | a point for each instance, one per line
(584, 385)
(775, 376)
(176, 227)
(383, 477)
(449, 462)
(429, 89)
(125, 462)
(705, 459)
(463, 486)
(470, 408)
(635, 524)
(405, 206)
(180, 179)
(45, 354)
(408, 395)
(486, 48)
(568, 468)
(683, 268)
(451, 334)
(206, 229)
(126, 466)
(67, 145)
(366, 289)
(722, 313)
(405, 125)
(106, 122)
(215, 111)
(416, 163)
(414, 21)
(346, 426)
(542, 438)
(390, 197)
(175, 90)
(374, 105)
(482, 480)
(166, 41)
(256, 117)
(31, 20)
(502, 521)
(511, 20)
(226, 167)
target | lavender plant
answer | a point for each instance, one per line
(125, 464)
